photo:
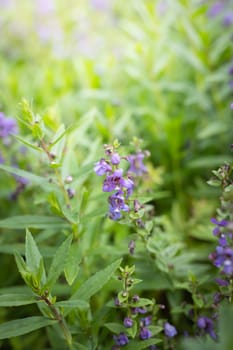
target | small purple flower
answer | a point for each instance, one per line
(232, 102)
(169, 330)
(221, 282)
(8, 126)
(135, 298)
(216, 9)
(145, 333)
(115, 159)
(121, 339)
(228, 19)
(207, 325)
(128, 322)
(222, 240)
(136, 164)
(113, 181)
(146, 321)
(117, 301)
(138, 310)
(117, 202)
(102, 167)
(71, 193)
(2, 160)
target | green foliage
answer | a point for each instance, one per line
(136, 75)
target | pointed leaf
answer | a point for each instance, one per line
(58, 262)
(80, 304)
(33, 221)
(32, 253)
(96, 282)
(72, 264)
(34, 179)
(23, 326)
(9, 300)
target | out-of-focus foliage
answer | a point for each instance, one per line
(77, 75)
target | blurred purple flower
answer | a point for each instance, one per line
(2, 161)
(145, 333)
(136, 164)
(128, 322)
(169, 330)
(8, 126)
(100, 5)
(146, 321)
(216, 9)
(102, 167)
(121, 339)
(115, 159)
(113, 181)
(228, 19)
(207, 325)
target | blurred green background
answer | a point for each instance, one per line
(161, 71)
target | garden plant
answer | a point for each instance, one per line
(116, 143)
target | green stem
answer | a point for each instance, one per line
(58, 316)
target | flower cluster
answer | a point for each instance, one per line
(122, 185)
(206, 324)
(8, 126)
(222, 258)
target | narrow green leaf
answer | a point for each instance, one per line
(9, 300)
(115, 327)
(23, 326)
(25, 142)
(32, 253)
(80, 304)
(72, 264)
(58, 262)
(34, 179)
(33, 221)
(96, 282)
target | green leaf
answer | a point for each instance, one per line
(33, 221)
(9, 300)
(34, 179)
(72, 264)
(80, 304)
(32, 254)
(96, 282)
(58, 262)
(23, 326)
(115, 327)
(25, 142)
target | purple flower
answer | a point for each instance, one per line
(146, 321)
(128, 184)
(207, 325)
(136, 164)
(121, 339)
(232, 102)
(8, 126)
(138, 310)
(169, 330)
(145, 333)
(102, 167)
(117, 202)
(128, 322)
(113, 181)
(223, 259)
(228, 19)
(115, 159)
(216, 9)
(221, 282)
(2, 160)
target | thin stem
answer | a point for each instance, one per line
(58, 316)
